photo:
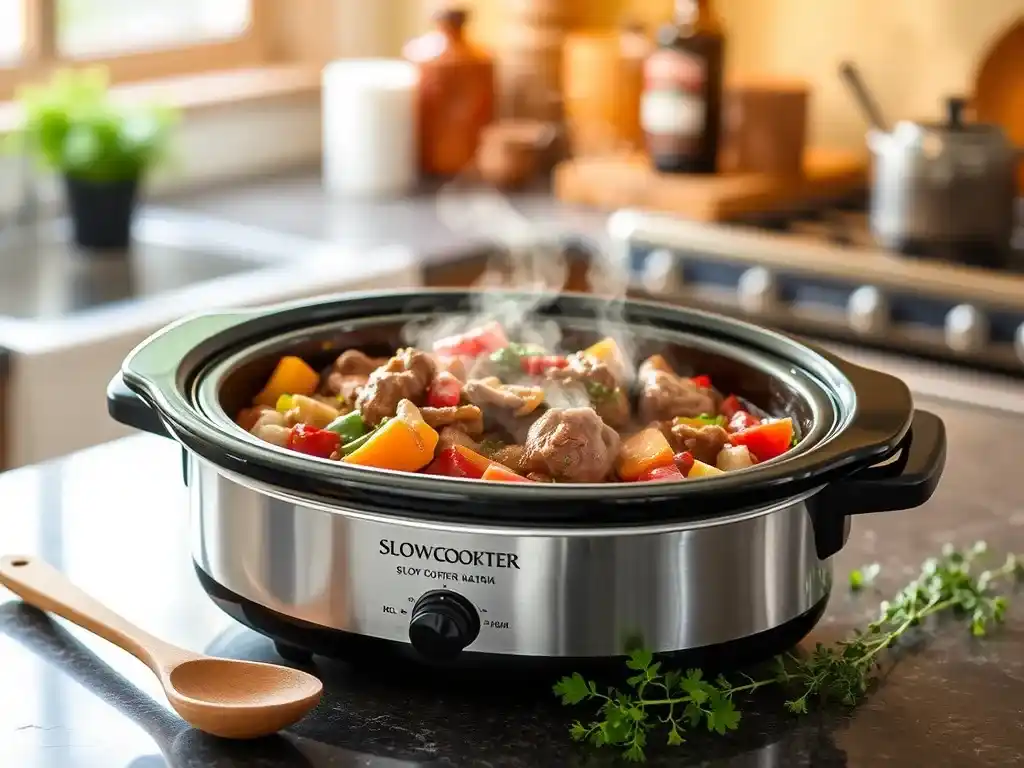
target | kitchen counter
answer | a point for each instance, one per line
(114, 518)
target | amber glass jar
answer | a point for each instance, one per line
(456, 94)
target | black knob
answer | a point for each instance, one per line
(442, 624)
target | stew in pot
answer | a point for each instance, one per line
(480, 406)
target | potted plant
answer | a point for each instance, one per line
(101, 148)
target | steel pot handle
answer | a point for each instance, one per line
(906, 481)
(127, 408)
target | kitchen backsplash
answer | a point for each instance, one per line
(912, 52)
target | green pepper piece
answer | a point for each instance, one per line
(349, 426)
(354, 445)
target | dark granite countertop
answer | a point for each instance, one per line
(114, 518)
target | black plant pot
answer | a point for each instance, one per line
(101, 212)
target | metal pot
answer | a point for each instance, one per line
(944, 187)
(335, 559)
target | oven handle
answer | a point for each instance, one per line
(127, 408)
(906, 481)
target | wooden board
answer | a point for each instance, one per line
(629, 181)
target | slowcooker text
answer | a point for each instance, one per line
(449, 554)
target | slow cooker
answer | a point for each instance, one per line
(333, 559)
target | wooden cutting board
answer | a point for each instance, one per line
(629, 181)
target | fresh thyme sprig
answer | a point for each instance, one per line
(840, 674)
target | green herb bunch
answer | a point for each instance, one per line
(841, 674)
(72, 125)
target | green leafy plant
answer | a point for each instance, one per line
(72, 125)
(841, 674)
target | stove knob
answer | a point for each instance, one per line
(442, 624)
(661, 272)
(966, 328)
(867, 311)
(756, 290)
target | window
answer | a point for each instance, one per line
(134, 39)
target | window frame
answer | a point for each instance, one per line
(40, 55)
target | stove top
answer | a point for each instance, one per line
(43, 276)
(820, 274)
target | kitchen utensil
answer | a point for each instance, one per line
(851, 76)
(369, 127)
(764, 127)
(999, 89)
(224, 697)
(945, 187)
(602, 79)
(628, 181)
(340, 560)
(510, 151)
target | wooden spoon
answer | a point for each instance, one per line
(224, 697)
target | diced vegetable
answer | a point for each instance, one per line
(501, 474)
(313, 441)
(348, 427)
(481, 463)
(451, 463)
(533, 397)
(284, 403)
(667, 472)
(405, 443)
(730, 405)
(702, 381)
(605, 351)
(536, 365)
(767, 439)
(700, 469)
(359, 442)
(247, 417)
(445, 391)
(733, 457)
(641, 452)
(741, 420)
(486, 338)
(704, 420)
(684, 461)
(292, 375)
(308, 410)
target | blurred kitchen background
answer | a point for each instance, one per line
(214, 153)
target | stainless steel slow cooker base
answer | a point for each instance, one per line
(506, 591)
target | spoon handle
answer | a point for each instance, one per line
(40, 584)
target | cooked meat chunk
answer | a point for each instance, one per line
(448, 437)
(349, 374)
(468, 417)
(512, 457)
(608, 398)
(733, 457)
(405, 376)
(571, 445)
(664, 395)
(704, 443)
(490, 392)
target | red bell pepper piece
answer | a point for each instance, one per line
(742, 420)
(730, 405)
(487, 338)
(704, 382)
(312, 441)
(683, 462)
(667, 472)
(535, 365)
(767, 439)
(445, 391)
(502, 474)
(451, 463)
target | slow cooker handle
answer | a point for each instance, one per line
(906, 481)
(127, 408)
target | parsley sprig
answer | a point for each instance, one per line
(840, 674)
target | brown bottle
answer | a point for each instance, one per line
(681, 108)
(456, 94)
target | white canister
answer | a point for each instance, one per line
(369, 127)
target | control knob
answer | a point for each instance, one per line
(442, 624)
(966, 328)
(756, 290)
(867, 311)
(661, 272)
